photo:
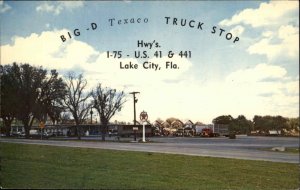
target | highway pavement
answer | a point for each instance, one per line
(244, 147)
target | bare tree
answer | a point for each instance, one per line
(76, 99)
(107, 102)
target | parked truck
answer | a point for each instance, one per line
(220, 130)
(199, 129)
(207, 132)
(212, 130)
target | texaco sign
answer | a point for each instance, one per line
(143, 116)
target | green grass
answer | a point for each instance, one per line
(38, 166)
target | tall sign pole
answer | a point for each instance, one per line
(144, 118)
(134, 112)
(42, 126)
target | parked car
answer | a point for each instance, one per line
(22, 134)
(15, 133)
(35, 134)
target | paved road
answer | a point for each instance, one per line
(241, 148)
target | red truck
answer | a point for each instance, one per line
(207, 132)
(215, 131)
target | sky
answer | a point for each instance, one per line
(242, 57)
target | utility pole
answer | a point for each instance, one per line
(134, 112)
(1, 124)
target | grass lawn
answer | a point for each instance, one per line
(38, 166)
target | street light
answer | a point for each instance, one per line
(134, 113)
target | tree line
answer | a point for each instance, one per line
(31, 93)
(261, 124)
(240, 124)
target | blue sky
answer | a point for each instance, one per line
(259, 74)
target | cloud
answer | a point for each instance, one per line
(263, 89)
(272, 13)
(258, 73)
(46, 49)
(283, 43)
(272, 30)
(57, 7)
(237, 30)
(46, 7)
(4, 7)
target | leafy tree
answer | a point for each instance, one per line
(52, 96)
(280, 123)
(258, 123)
(107, 102)
(266, 123)
(199, 123)
(29, 81)
(76, 100)
(9, 97)
(33, 92)
(293, 124)
(223, 119)
(241, 125)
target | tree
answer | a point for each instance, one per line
(65, 117)
(29, 81)
(107, 102)
(266, 123)
(76, 99)
(9, 97)
(199, 123)
(31, 92)
(293, 124)
(258, 123)
(53, 92)
(241, 125)
(280, 123)
(223, 119)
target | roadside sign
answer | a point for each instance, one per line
(42, 125)
(143, 116)
(135, 128)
